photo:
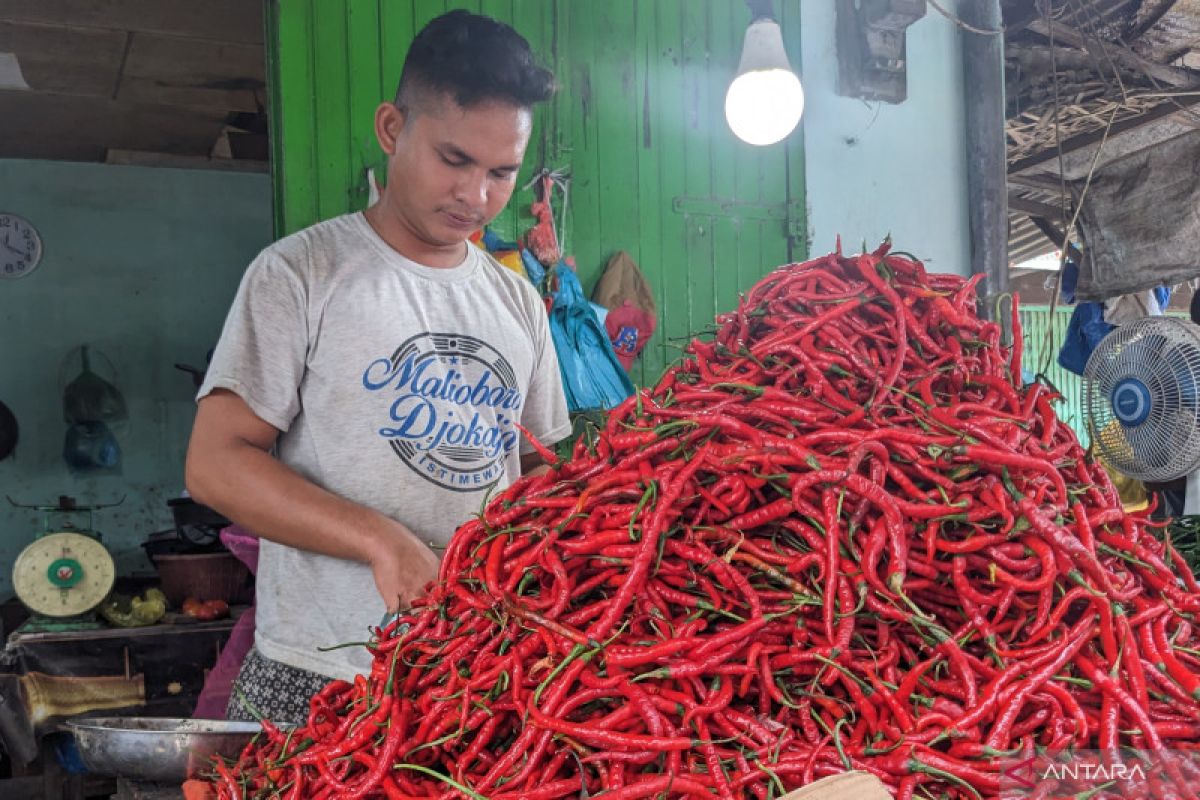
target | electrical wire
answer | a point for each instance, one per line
(1068, 227)
(962, 24)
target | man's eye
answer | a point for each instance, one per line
(453, 162)
(503, 174)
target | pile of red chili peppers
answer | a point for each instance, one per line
(838, 534)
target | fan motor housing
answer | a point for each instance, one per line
(1131, 402)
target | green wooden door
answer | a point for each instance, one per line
(639, 123)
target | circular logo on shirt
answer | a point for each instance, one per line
(453, 402)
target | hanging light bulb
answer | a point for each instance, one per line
(765, 100)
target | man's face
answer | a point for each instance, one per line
(452, 169)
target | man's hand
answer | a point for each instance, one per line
(230, 469)
(402, 565)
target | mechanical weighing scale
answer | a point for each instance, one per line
(65, 573)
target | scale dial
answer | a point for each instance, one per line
(63, 574)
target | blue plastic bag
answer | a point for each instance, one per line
(534, 269)
(1163, 295)
(592, 376)
(1085, 330)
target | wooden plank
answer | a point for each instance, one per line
(218, 20)
(583, 75)
(648, 249)
(698, 156)
(297, 115)
(1060, 33)
(365, 89)
(615, 92)
(698, 249)
(1042, 182)
(731, 169)
(670, 274)
(795, 247)
(1084, 140)
(331, 103)
(44, 126)
(141, 158)
(1055, 235)
(275, 122)
(504, 223)
(773, 160)
(534, 20)
(396, 31)
(1034, 207)
(65, 60)
(174, 70)
(751, 179)
(424, 11)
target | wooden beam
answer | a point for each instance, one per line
(1020, 19)
(1055, 235)
(141, 158)
(73, 128)
(1043, 183)
(64, 60)
(1034, 208)
(172, 70)
(216, 20)
(1058, 32)
(1083, 140)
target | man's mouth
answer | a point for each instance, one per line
(461, 221)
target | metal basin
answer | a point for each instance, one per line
(157, 748)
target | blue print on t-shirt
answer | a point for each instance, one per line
(451, 418)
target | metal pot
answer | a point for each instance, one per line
(157, 748)
(8, 432)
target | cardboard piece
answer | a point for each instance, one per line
(856, 785)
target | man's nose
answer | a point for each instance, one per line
(472, 189)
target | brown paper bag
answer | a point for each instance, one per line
(621, 281)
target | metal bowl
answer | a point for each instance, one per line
(157, 748)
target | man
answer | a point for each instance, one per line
(387, 363)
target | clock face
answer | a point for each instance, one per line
(20, 246)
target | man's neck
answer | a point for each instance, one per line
(404, 241)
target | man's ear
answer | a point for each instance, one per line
(389, 124)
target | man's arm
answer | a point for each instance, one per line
(533, 464)
(230, 469)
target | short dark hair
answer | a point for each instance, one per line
(473, 59)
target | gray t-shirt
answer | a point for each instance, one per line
(396, 386)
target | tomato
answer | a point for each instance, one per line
(205, 610)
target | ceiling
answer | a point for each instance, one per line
(134, 81)
(1089, 81)
(183, 82)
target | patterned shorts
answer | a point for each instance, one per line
(277, 691)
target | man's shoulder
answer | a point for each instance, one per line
(507, 280)
(324, 236)
(314, 254)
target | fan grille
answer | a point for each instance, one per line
(1163, 355)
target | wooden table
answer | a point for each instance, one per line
(156, 671)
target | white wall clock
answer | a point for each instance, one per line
(20, 246)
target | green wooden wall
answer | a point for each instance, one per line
(639, 121)
(1042, 337)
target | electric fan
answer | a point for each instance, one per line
(1142, 396)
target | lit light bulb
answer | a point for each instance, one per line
(764, 105)
(765, 100)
